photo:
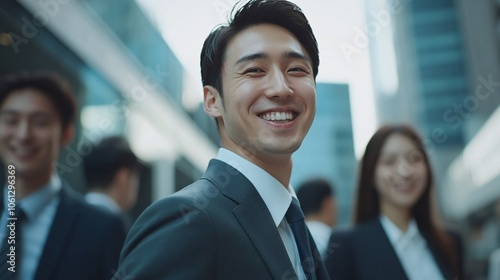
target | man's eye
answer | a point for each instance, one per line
(254, 70)
(41, 122)
(9, 120)
(299, 71)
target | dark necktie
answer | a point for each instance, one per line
(295, 219)
(6, 254)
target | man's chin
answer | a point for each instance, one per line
(288, 147)
(284, 150)
(28, 170)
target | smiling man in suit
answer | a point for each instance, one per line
(60, 237)
(241, 220)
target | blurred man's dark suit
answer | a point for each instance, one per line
(217, 228)
(83, 243)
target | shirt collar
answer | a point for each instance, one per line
(102, 200)
(34, 203)
(276, 197)
(394, 234)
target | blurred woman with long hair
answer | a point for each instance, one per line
(396, 235)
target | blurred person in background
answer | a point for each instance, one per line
(112, 174)
(317, 200)
(241, 220)
(396, 234)
(494, 259)
(494, 265)
(58, 235)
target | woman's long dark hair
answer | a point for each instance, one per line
(367, 199)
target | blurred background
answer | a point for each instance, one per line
(134, 65)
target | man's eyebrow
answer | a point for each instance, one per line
(289, 55)
(286, 55)
(252, 57)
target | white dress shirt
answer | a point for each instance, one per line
(276, 197)
(40, 208)
(412, 251)
(321, 234)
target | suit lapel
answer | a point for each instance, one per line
(388, 257)
(438, 258)
(257, 222)
(254, 217)
(64, 220)
(319, 266)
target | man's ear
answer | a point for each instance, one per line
(67, 135)
(121, 177)
(212, 101)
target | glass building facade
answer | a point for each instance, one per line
(127, 82)
(328, 149)
(441, 66)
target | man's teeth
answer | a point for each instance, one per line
(277, 116)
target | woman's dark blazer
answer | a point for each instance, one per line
(365, 253)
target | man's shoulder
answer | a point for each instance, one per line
(202, 204)
(198, 195)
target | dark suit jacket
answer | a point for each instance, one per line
(365, 253)
(84, 242)
(216, 228)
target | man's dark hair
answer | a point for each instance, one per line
(278, 12)
(49, 84)
(105, 159)
(312, 193)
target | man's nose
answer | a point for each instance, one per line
(24, 130)
(278, 85)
